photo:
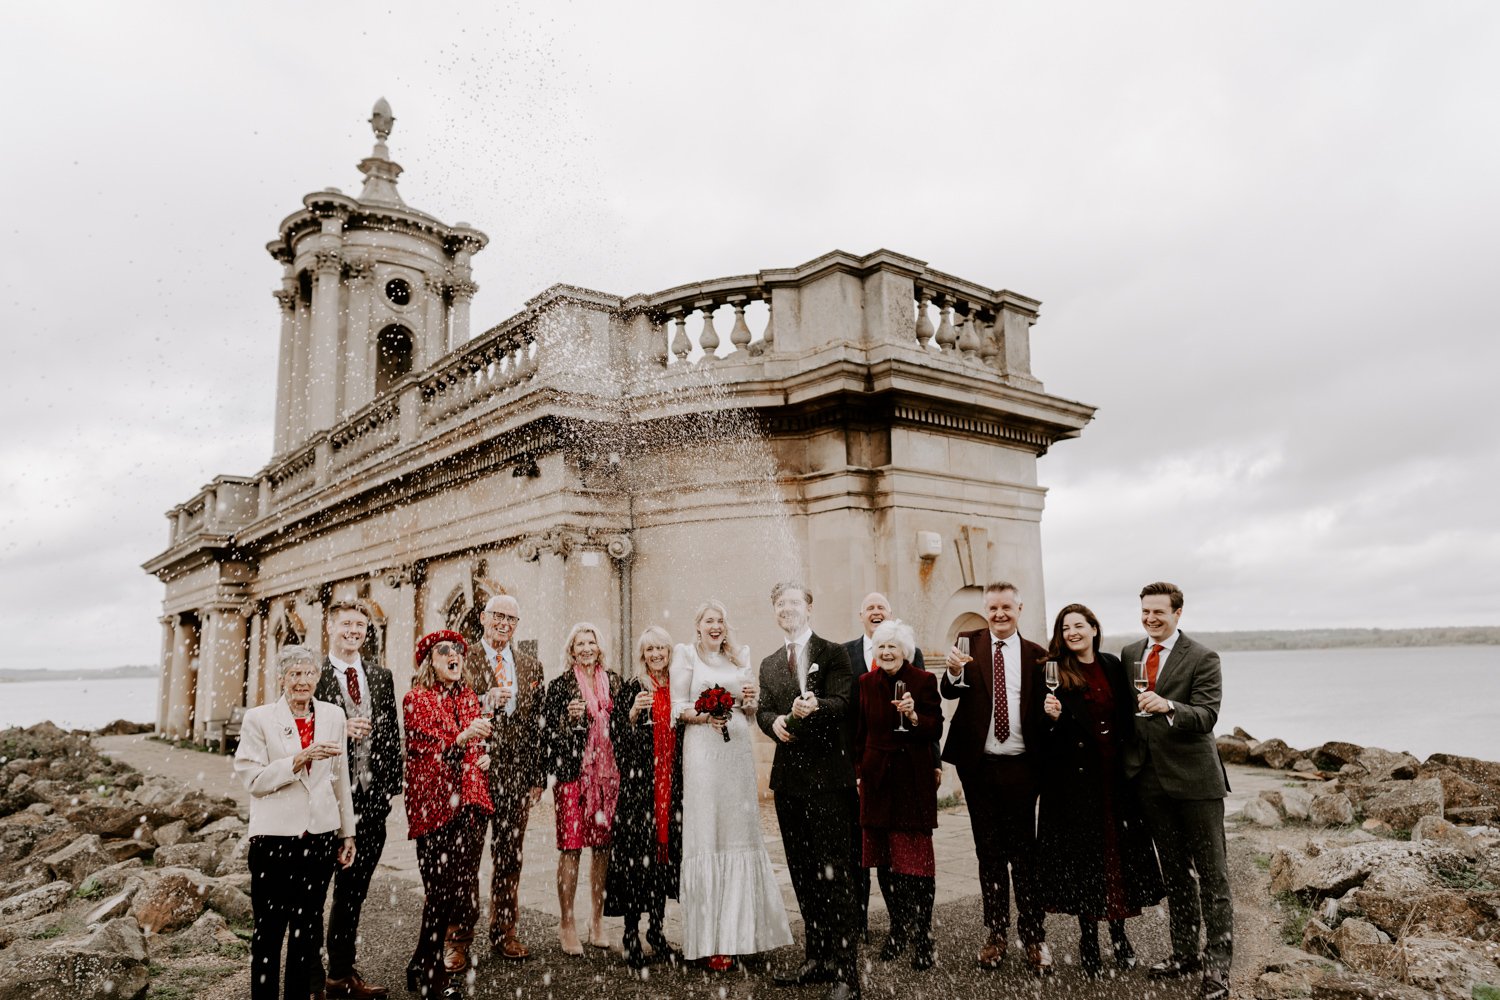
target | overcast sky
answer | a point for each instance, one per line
(1260, 232)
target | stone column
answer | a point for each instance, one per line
(322, 377)
(164, 686)
(221, 671)
(433, 339)
(297, 425)
(184, 651)
(462, 295)
(552, 595)
(256, 670)
(359, 347)
(401, 627)
(287, 299)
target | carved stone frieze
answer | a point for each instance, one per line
(328, 262)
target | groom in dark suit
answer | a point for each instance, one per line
(367, 694)
(1180, 783)
(805, 688)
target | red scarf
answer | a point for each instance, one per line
(664, 747)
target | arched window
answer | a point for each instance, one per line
(393, 350)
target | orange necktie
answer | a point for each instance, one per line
(1153, 665)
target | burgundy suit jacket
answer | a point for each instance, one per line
(975, 715)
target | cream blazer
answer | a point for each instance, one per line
(287, 804)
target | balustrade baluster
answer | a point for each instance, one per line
(946, 337)
(767, 342)
(968, 339)
(988, 349)
(739, 336)
(924, 323)
(708, 337)
(681, 346)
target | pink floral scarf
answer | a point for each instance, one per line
(600, 776)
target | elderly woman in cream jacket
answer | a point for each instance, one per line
(291, 758)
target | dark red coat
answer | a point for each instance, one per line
(440, 775)
(897, 784)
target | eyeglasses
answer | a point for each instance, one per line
(446, 649)
(500, 618)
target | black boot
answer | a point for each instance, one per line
(895, 910)
(1088, 947)
(1124, 954)
(634, 956)
(923, 894)
(661, 948)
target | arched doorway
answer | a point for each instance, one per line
(393, 357)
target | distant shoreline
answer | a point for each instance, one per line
(109, 674)
(1332, 638)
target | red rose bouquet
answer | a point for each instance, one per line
(715, 702)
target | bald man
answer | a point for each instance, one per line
(510, 684)
(873, 610)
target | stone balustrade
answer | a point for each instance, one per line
(375, 429)
(295, 474)
(502, 358)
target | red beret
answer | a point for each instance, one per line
(433, 638)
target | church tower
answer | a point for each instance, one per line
(372, 291)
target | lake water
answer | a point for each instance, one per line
(1422, 700)
(78, 704)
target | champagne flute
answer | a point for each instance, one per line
(1142, 682)
(1051, 676)
(963, 648)
(901, 718)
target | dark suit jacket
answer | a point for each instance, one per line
(517, 748)
(858, 668)
(818, 760)
(975, 715)
(385, 737)
(1181, 752)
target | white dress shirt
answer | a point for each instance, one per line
(869, 652)
(341, 671)
(1015, 744)
(507, 673)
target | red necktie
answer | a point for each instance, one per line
(354, 694)
(1002, 704)
(1153, 664)
(791, 659)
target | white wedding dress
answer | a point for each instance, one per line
(731, 904)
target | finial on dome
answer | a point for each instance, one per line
(381, 120)
(379, 170)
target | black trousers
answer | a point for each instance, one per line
(1001, 792)
(352, 884)
(448, 859)
(1189, 836)
(288, 885)
(815, 833)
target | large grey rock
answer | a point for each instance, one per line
(203, 857)
(226, 897)
(1261, 813)
(1432, 912)
(1317, 938)
(1363, 947)
(1295, 802)
(108, 964)
(1330, 809)
(1335, 754)
(1233, 750)
(114, 906)
(38, 901)
(173, 833)
(1402, 803)
(79, 859)
(1386, 765)
(209, 934)
(172, 900)
(1273, 753)
(1334, 871)
(1436, 830)
(1447, 969)
(227, 826)
(1360, 986)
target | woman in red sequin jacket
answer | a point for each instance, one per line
(447, 801)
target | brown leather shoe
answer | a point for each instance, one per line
(512, 949)
(354, 987)
(1039, 959)
(993, 952)
(456, 948)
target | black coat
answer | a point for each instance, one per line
(819, 759)
(386, 764)
(637, 881)
(1080, 787)
(564, 745)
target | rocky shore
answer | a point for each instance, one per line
(1386, 870)
(108, 879)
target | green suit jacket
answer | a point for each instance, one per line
(1181, 752)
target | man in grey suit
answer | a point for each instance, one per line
(1180, 783)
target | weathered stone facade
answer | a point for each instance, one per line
(867, 423)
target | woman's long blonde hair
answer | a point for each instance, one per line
(573, 633)
(730, 651)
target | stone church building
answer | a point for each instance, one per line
(859, 422)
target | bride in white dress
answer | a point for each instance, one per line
(731, 904)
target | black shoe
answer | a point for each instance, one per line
(893, 946)
(922, 956)
(635, 956)
(1089, 959)
(413, 979)
(453, 993)
(842, 991)
(1215, 986)
(1124, 954)
(1174, 967)
(805, 974)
